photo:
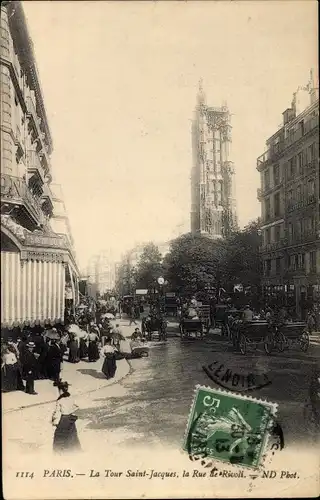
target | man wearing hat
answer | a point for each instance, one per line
(54, 358)
(29, 367)
(247, 314)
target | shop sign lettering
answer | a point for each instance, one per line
(45, 241)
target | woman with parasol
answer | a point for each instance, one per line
(63, 418)
(73, 344)
(83, 348)
(93, 350)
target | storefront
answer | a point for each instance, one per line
(34, 270)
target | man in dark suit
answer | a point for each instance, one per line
(29, 367)
(54, 360)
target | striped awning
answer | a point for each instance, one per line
(31, 291)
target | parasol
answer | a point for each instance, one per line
(76, 330)
(52, 334)
(108, 316)
(82, 306)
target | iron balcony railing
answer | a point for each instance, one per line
(305, 237)
(273, 151)
(15, 190)
(297, 205)
(276, 245)
(34, 164)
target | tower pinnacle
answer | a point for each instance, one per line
(201, 98)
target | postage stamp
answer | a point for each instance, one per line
(229, 427)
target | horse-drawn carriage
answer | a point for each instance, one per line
(127, 303)
(224, 317)
(254, 333)
(154, 324)
(250, 334)
(288, 335)
(195, 320)
(189, 326)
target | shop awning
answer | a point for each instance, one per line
(31, 291)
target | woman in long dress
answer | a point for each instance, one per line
(63, 418)
(83, 349)
(73, 349)
(9, 371)
(93, 350)
(109, 366)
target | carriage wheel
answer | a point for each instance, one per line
(304, 341)
(243, 344)
(280, 341)
(234, 339)
(268, 344)
(181, 331)
(228, 332)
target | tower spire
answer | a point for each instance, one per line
(201, 98)
(200, 85)
(311, 80)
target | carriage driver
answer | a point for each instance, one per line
(247, 314)
(136, 334)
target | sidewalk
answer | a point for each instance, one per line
(84, 377)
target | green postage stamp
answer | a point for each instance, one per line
(229, 427)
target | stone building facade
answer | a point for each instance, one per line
(213, 200)
(289, 197)
(37, 263)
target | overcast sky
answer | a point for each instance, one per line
(120, 82)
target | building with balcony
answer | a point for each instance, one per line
(289, 196)
(59, 221)
(37, 263)
(213, 200)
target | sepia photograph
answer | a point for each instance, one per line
(160, 249)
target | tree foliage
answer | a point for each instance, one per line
(125, 278)
(241, 263)
(195, 262)
(192, 263)
(149, 267)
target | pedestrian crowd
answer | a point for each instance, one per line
(39, 356)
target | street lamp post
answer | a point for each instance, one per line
(161, 282)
